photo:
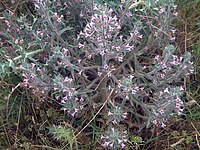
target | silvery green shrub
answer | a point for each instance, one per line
(125, 59)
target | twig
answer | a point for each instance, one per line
(44, 146)
(8, 99)
(15, 144)
(195, 128)
(175, 144)
(6, 133)
(197, 141)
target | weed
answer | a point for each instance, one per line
(115, 65)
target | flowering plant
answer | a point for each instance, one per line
(123, 61)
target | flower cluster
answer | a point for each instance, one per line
(69, 97)
(165, 13)
(101, 37)
(168, 104)
(64, 86)
(116, 114)
(170, 67)
(36, 79)
(73, 106)
(38, 82)
(113, 138)
(125, 85)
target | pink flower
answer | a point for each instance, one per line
(89, 56)
(32, 65)
(80, 45)
(111, 29)
(95, 18)
(33, 75)
(79, 61)
(105, 16)
(173, 31)
(95, 7)
(106, 144)
(111, 144)
(102, 53)
(120, 58)
(59, 18)
(161, 111)
(157, 57)
(114, 122)
(110, 11)
(133, 91)
(70, 94)
(123, 145)
(162, 10)
(102, 137)
(8, 23)
(37, 1)
(140, 36)
(163, 125)
(118, 48)
(124, 114)
(162, 75)
(127, 97)
(99, 74)
(119, 85)
(175, 14)
(156, 34)
(166, 90)
(172, 38)
(120, 141)
(181, 88)
(73, 114)
(109, 36)
(144, 67)
(109, 74)
(105, 66)
(122, 1)
(110, 113)
(38, 69)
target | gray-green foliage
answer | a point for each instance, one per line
(130, 52)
